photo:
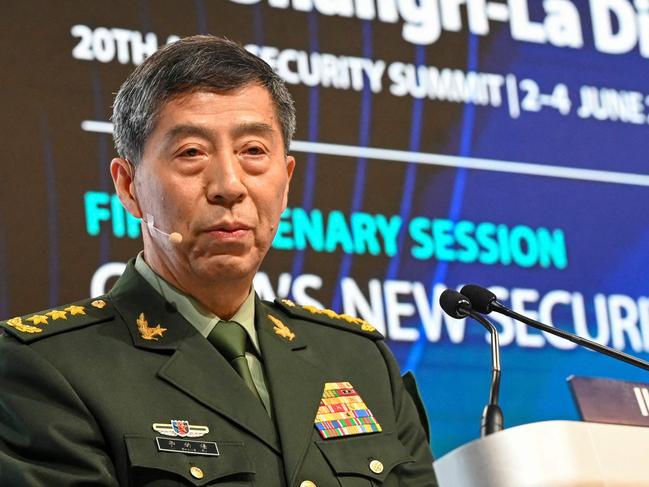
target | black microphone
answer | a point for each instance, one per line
(458, 306)
(485, 301)
(455, 304)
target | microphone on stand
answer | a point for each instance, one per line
(458, 306)
(484, 301)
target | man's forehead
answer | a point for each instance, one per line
(196, 94)
(263, 120)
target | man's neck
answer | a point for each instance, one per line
(221, 297)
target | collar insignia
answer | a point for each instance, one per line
(147, 332)
(281, 329)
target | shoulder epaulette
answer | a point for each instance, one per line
(329, 317)
(36, 326)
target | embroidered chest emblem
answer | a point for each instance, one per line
(180, 428)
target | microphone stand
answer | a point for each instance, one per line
(458, 306)
(584, 342)
(492, 419)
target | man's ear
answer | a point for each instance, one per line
(123, 172)
(290, 167)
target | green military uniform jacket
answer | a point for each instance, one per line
(82, 385)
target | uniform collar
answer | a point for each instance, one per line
(194, 312)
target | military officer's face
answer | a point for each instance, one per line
(214, 169)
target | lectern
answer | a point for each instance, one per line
(551, 454)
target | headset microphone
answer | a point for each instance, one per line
(174, 237)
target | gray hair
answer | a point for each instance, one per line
(191, 64)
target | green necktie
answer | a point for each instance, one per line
(230, 339)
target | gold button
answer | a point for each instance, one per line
(376, 466)
(196, 472)
(308, 483)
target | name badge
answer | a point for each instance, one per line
(191, 447)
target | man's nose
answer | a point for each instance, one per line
(225, 184)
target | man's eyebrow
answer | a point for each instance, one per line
(244, 128)
(184, 130)
(258, 128)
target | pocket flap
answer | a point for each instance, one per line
(372, 456)
(232, 460)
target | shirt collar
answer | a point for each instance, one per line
(194, 312)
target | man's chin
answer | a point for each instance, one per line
(226, 267)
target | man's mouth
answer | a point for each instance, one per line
(229, 230)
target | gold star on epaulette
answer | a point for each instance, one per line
(76, 310)
(57, 314)
(318, 311)
(38, 319)
(365, 326)
(330, 313)
(281, 329)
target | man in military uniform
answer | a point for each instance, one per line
(181, 375)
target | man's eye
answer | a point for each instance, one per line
(192, 152)
(254, 151)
